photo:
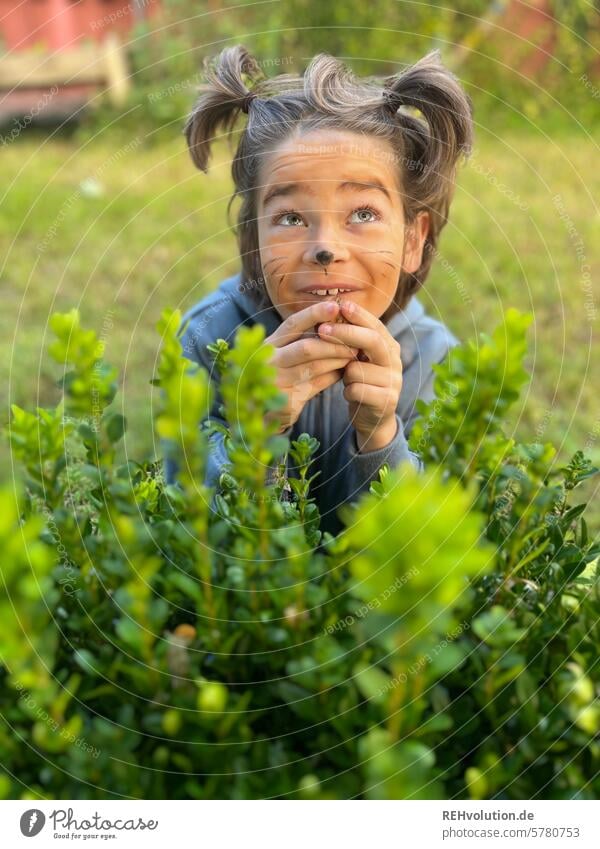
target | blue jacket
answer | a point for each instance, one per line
(345, 473)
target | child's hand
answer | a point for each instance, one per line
(373, 387)
(306, 366)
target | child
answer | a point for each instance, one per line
(345, 185)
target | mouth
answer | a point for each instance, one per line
(328, 293)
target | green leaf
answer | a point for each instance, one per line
(86, 661)
(116, 425)
(496, 627)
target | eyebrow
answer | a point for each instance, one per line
(285, 189)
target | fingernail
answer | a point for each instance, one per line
(326, 328)
(330, 306)
(348, 306)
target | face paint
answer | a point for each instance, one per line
(332, 194)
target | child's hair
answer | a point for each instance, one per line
(423, 112)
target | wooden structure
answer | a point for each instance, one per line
(59, 54)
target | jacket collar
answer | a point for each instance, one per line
(404, 318)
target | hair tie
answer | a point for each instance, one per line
(246, 101)
(391, 100)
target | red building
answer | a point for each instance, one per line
(57, 54)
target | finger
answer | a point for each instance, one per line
(307, 350)
(356, 314)
(371, 374)
(308, 371)
(299, 322)
(382, 400)
(324, 381)
(301, 393)
(377, 349)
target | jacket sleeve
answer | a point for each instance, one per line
(194, 348)
(355, 471)
(358, 470)
(366, 465)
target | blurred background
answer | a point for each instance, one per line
(101, 208)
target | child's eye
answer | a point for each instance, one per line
(281, 217)
(362, 212)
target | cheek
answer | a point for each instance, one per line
(269, 239)
(279, 252)
(382, 255)
(385, 235)
(270, 242)
(275, 259)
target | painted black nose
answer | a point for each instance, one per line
(324, 257)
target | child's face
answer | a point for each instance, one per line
(324, 210)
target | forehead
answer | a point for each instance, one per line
(321, 160)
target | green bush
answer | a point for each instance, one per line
(170, 641)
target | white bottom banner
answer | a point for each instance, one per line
(296, 825)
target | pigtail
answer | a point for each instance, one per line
(223, 96)
(434, 142)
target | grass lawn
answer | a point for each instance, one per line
(156, 236)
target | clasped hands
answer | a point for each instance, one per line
(307, 366)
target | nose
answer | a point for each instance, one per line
(335, 252)
(324, 257)
(325, 245)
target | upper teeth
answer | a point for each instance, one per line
(328, 291)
